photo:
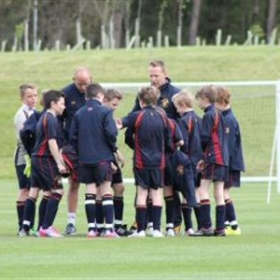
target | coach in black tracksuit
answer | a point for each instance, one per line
(160, 80)
(74, 100)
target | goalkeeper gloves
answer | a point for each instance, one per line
(27, 169)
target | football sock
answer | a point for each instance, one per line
(20, 212)
(169, 209)
(51, 210)
(141, 216)
(90, 208)
(177, 210)
(205, 213)
(220, 217)
(230, 213)
(156, 214)
(71, 218)
(108, 210)
(187, 215)
(99, 215)
(149, 211)
(197, 215)
(118, 209)
(42, 210)
(29, 213)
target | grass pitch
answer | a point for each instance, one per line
(253, 255)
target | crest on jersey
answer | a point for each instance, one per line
(73, 102)
(180, 169)
(164, 103)
(227, 130)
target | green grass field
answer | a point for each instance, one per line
(253, 255)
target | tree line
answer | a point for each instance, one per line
(41, 24)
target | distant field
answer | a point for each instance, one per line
(253, 255)
(255, 107)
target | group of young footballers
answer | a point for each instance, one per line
(177, 155)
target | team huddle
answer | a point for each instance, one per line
(177, 155)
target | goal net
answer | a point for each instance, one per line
(254, 104)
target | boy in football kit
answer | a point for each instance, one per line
(149, 156)
(214, 164)
(28, 137)
(112, 100)
(190, 124)
(236, 160)
(28, 96)
(47, 165)
(93, 136)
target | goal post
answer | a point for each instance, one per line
(278, 134)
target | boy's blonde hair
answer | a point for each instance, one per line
(184, 98)
(223, 95)
(209, 92)
(24, 87)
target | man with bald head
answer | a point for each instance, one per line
(74, 100)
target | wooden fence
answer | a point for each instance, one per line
(161, 40)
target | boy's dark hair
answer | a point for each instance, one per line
(149, 95)
(209, 92)
(52, 96)
(112, 94)
(93, 89)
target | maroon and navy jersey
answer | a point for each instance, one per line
(236, 159)
(190, 124)
(147, 134)
(213, 137)
(47, 128)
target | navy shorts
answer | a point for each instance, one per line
(45, 174)
(95, 173)
(233, 179)
(23, 181)
(117, 177)
(149, 178)
(214, 172)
